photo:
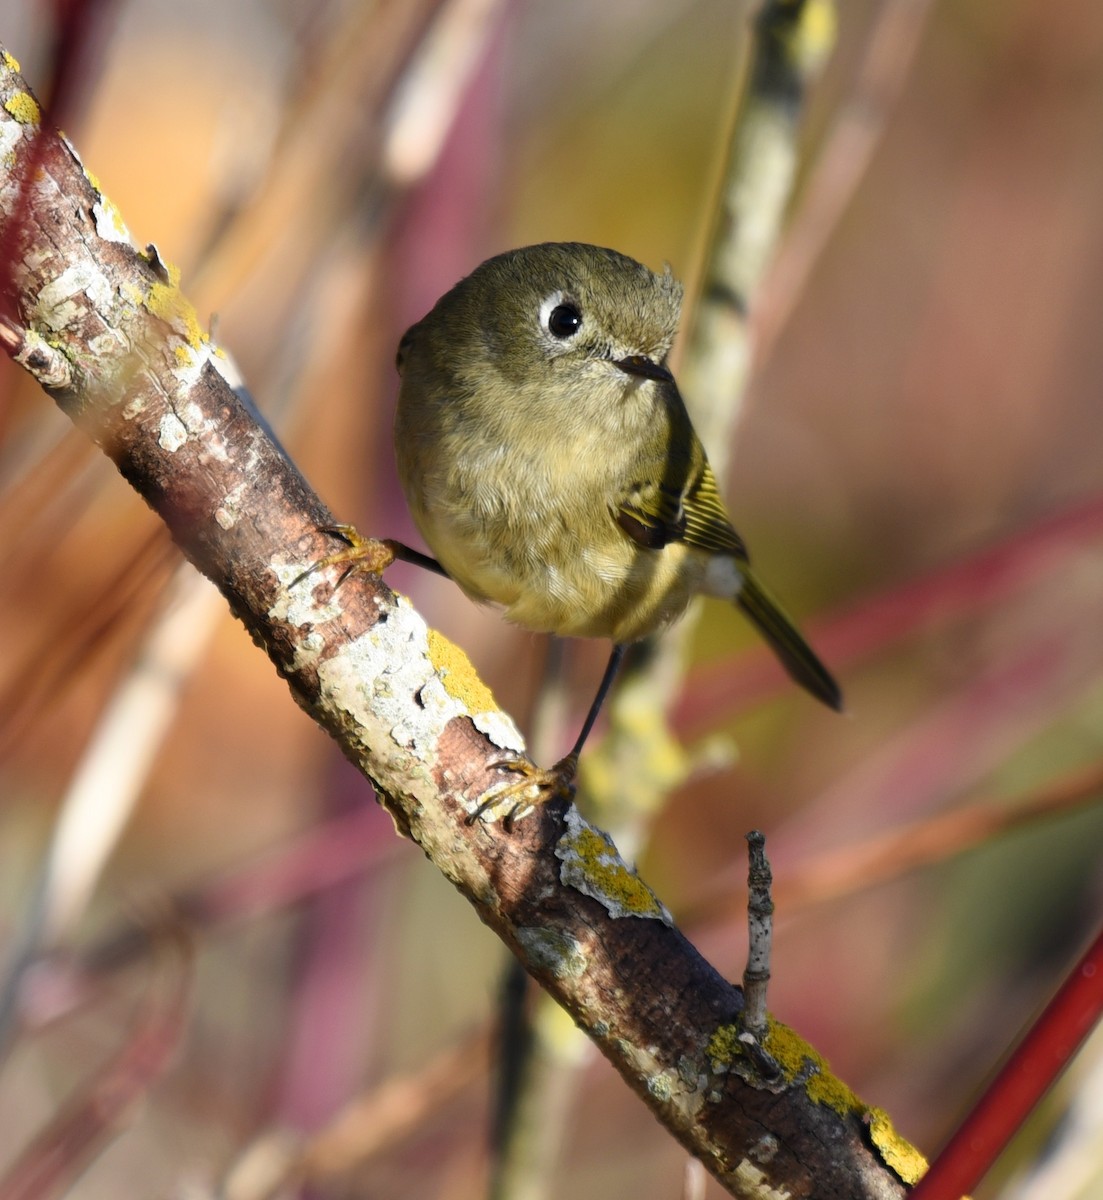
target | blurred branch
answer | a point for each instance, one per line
(48, 667)
(315, 860)
(792, 38)
(888, 856)
(831, 875)
(107, 331)
(103, 1107)
(396, 1109)
(108, 781)
(368, 108)
(855, 135)
(377, 1120)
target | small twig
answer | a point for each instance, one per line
(760, 929)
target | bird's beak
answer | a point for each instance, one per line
(643, 367)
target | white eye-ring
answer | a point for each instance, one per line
(560, 316)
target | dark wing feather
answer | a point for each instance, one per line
(654, 515)
(708, 526)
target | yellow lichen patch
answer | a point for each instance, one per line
(606, 873)
(897, 1152)
(794, 1055)
(168, 302)
(724, 1046)
(184, 356)
(10, 61)
(24, 108)
(458, 675)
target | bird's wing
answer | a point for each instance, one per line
(652, 515)
(655, 514)
(708, 526)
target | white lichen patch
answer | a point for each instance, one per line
(308, 651)
(553, 950)
(11, 133)
(295, 602)
(187, 420)
(591, 865)
(172, 433)
(662, 1085)
(110, 225)
(500, 728)
(373, 678)
(109, 345)
(751, 1181)
(765, 1149)
(229, 511)
(188, 360)
(58, 304)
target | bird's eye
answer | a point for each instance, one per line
(564, 321)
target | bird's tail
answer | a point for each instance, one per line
(796, 656)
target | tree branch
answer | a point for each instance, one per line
(106, 330)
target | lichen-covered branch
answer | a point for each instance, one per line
(108, 333)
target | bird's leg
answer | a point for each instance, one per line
(367, 556)
(537, 785)
(611, 669)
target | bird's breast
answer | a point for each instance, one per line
(523, 514)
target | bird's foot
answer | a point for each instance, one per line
(361, 555)
(531, 786)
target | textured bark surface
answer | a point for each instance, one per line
(107, 331)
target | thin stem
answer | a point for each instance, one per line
(1027, 1075)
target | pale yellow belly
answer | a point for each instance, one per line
(557, 584)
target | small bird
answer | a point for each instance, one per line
(550, 464)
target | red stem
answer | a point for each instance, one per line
(1032, 1068)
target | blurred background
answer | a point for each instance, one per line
(916, 469)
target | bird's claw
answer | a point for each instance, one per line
(361, 556)
(515, 798)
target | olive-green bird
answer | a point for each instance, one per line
(550, 464)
